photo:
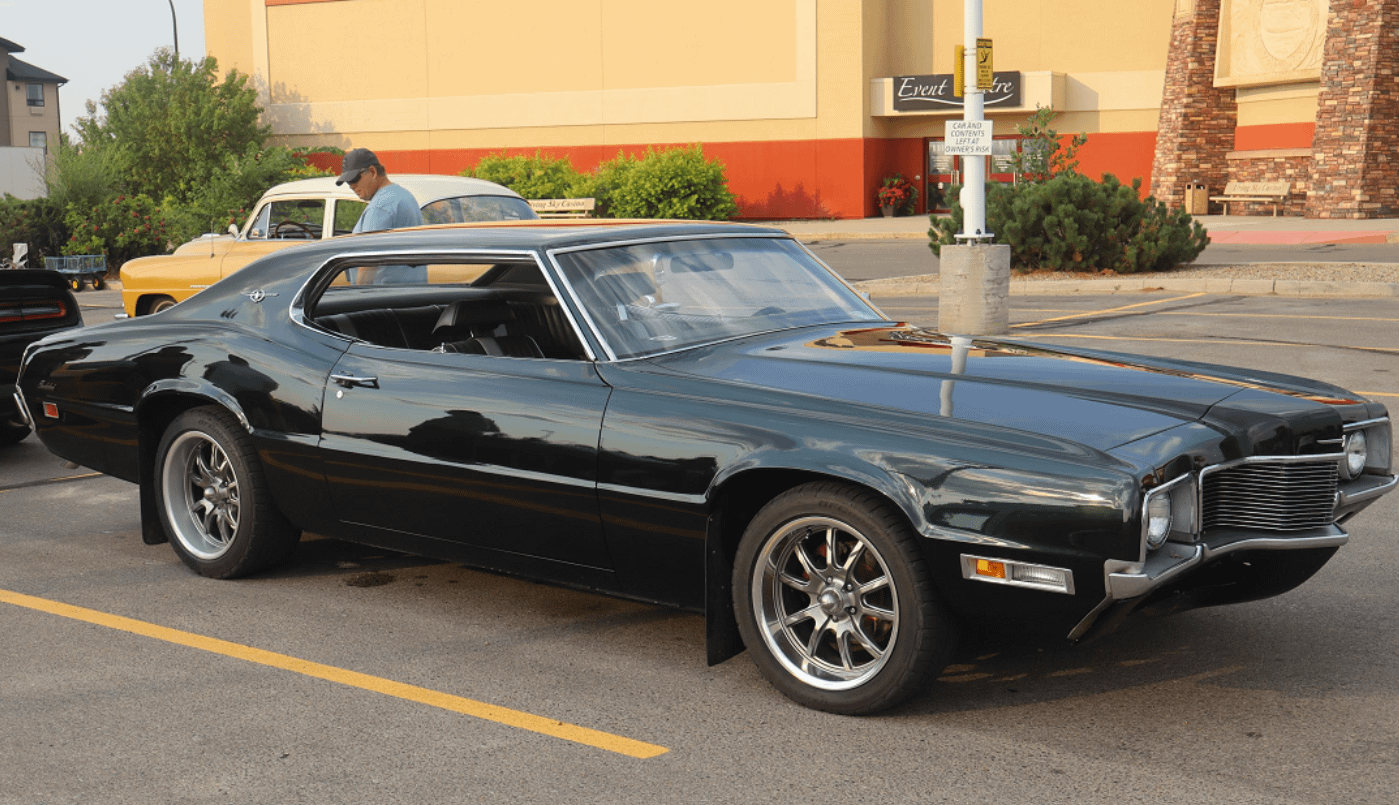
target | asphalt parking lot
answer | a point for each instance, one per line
(355, 675)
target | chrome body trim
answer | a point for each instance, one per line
(1124, 583)
(1377, 488)
(23, 409)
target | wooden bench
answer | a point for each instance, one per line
(563, 207)
(1274, 192)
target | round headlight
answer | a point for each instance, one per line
(1357, 454)
(1158, 520)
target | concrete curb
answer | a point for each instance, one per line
(928, 285)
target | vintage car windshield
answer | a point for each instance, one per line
(657, 297)
(464, 209)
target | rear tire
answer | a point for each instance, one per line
(77, 283)
(99, 283)
(835, 602)
(12, 433)
(213, 498)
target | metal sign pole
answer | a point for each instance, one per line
(973, 196)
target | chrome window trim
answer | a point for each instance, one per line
(1368, 423)
(297, 309)
(551, 254)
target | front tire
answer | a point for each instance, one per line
(835, 602)
(213, 498)
(160, 303)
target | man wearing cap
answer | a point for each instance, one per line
(390, 207)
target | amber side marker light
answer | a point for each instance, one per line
(1018, 574)
(51, 410)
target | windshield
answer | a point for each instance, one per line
(658, 297)
(464, 209)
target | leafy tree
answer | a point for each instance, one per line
(170, 124)
(79, 175)
(175, 132)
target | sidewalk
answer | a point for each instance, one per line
(1312, 280)
(1253, 229)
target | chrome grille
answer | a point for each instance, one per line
(1271, 495)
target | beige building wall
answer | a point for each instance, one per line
(789, 93)
(24, 118)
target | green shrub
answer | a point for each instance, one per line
(1072, 223)
(678, 183)
(122, 228)
(532, 177)
(37, 222)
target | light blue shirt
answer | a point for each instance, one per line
(392, 207)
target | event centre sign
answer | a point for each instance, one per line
(924, 93)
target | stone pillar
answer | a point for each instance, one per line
(974, 290)
(1355, 151)
(1196, 131)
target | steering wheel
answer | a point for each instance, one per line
(303, 232)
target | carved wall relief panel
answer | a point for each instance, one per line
(1270, 41)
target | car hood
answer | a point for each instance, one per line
(1102, 400)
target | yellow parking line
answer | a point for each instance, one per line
(1287, 316)
(1109, 310)
(412, 693)
(1204, 341)
(46, 481)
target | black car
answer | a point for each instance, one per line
(705, 416)
(33, 304)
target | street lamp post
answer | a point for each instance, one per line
(176, 28)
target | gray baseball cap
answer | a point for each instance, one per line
(355, 163)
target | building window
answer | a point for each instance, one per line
(39, 139)
(36, 94)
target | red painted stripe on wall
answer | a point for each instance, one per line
(789, 178)
(1126, 155)
(1275, 135)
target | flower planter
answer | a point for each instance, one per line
(888, 210)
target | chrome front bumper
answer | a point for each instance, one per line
(1133, 581)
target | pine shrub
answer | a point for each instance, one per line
(1072, 223)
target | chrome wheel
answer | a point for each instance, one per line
(826, 602)
(201, 493)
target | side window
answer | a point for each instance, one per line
(296, 219)
(347, 215)
(397, 306)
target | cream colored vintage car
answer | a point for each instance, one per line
(297, 212)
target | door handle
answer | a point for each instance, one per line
(350, 381)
